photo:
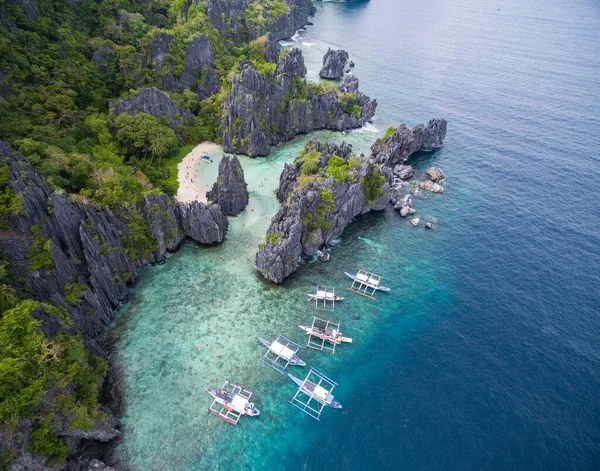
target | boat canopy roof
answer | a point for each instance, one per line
(281, 350)
(321, 392)
(239, 403)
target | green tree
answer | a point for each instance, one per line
(143, 134)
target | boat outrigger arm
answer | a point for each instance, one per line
(366, 283)
(314, 393)
(231, 402)
(330, 335)
(281, 353)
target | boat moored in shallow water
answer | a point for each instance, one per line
(325, 331)
(322, 295)
(281, 349)
(231, 402)
(366, 283)
(314, 393)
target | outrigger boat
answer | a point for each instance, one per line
(284, 351)
(322, 295)
(329, 334)
(231, 405)
(316, 392)
(368, 279)
(206, 158)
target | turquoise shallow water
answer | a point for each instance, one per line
(485, 354)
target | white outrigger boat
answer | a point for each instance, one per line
(231, 405)
(322, 295)
(283, 351)
(326, 330)
(368, 279)
(316, 391)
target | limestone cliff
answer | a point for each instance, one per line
(327, 187)
(230, 191)
(404, 142)
(334, 63)
(321, 193)
(266, 107)
(198, 72)
(155, 103)
(248, 19)
(92, 246)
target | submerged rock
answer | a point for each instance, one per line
(415, 221)
(435, 174)
(230, 191)
(334, 63)
(265, 108)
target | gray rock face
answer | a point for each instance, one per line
(404, 142)
(334, 63)
(90, 246)
(350, 84)
(233, 13)
(404, 172)
(198, 74)
(97, 465)
(315, 212)
(156, 103)
(263, 110)
(435, 174)
(230, 191)
(206, 225)
(431, 186)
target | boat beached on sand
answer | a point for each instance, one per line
(231, 402)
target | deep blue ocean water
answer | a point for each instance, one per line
(486, 354)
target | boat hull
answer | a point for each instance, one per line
(370, 285)
(295, 360)
(301, 384)
(328, 338)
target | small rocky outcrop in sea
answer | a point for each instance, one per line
(320, 193)
(404, 206)
(155, 103)
(230, 191)
(431, 186)
(435, 174)
(266, 106)
(404, 142)
(334, 63)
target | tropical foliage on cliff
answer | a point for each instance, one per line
(45, 373)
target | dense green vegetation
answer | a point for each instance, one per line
(52, 378)
(61, 64)
(371, 185)
(391, 130)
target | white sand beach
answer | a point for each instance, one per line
(191, 186)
